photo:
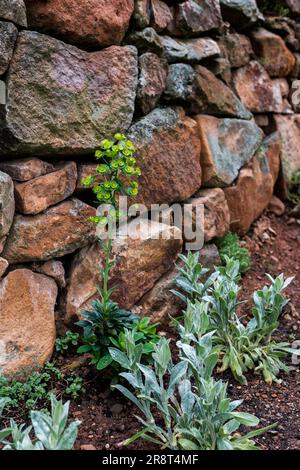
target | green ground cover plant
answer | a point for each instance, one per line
(229, 246)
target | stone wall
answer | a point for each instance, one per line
(203, 87)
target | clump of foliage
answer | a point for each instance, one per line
(276, 7)
(63, 343)
(195, 412)
(229, 246)
(118, 164)
(39, 386)
(294, 188)
(50, 430)
(104, 324)
(242, 345)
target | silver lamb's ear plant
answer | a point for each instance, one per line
(51, 431)
(195, 412)
(242, 346)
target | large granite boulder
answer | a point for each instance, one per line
(27, 323)
(8, 36)
(91, 23)
(14, 11)
(7, 204)
(168, 150)
(227, 145)
(140, 262)
(76, 98)
(58, 231)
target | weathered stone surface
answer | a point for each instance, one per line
(203, 91)
(146, 41)
(27, 325)
(140, 263)
(2, 243)
(161, 15)
(86, 169)
(253, 190)
(142, 13)
(256, 90)
(276, 206)
(7, 203)
(58, 231)
(237, 48)
(25, 169)
(189, 50)
(152, 81)
(76, 98)
(86, 23)
(3, 266)
(227, 144)
(285, 27)
(8, 36)
(36, 195)
(272, 52)
(193, 17)
(216, 212)
(240, 13)
(13, 10)
(54, 269)
(294, 6)
(160, 303)
(289, 130)
(168, 149)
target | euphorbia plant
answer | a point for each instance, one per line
(104, 323)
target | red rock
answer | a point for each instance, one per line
(85, 22)
(54, 269)
(276, 206)
(3, 266)
(25, 169)
(216, 212)
(161, 15)
(36, 195)
(27, 324)
(140, 263)
(160, 303)
(193, 17)
(257, 178)
(167, 142)
(152, 81)
(58, 231)
(256, 90)
(272, 52)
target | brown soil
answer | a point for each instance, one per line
(108, 419)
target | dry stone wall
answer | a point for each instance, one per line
(204, 88)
